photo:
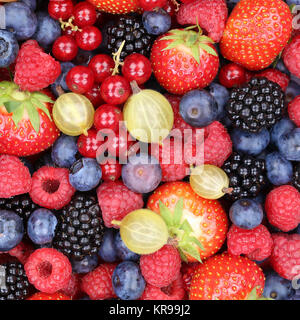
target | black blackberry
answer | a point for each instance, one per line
(21, 205)
(14, 284)
(246, 175)
(258, 104)
(129, 28)
(80, 227)
(296, 178)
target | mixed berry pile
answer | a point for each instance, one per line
(149, 150)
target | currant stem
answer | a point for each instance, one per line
(116, 58)
(69, 23)
(177, 5)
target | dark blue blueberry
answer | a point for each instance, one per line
(64, 151)
(20, 20)
(156, 22)
(277, 288)
(107, 251)
(250, 143)
(86, 265)
(289, 2)
(28, 164)
(128, 282)
(142, 173)
(30, 3)
(123, 252)
(281, 67)
(48, 30)
(292, 91)
(298, 229)
(296, 295)
(198, 108)
(279, 170)
(61, 80)
(281, 128)
(41, 226)
(221, 95)
(9, 48)
(83, 57)
(44, 160)
(246, 213)
(11, 230)
(289, 145)
(85, 174)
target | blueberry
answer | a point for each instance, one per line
(142, 173)
(296, 295)
(85, 174)
(221, 95)
(20, 20)
(128, 282)
(198, 108)
(250, 143)
(41, 226)
(83, 57)
(281, 128)
(246, 213)
(11, 230)
(279, 170)
(298, 229)
(292, 91)
(156, 22)
(277, 288)
(107, 251)
(44, 160)
(85, 265)
(289, 145)
(281, 67)
(30, 3)
(48, 30)
(61, 80)
(9, 48)
(123, 252)
(28, 164)
(289, 2)
(64, 151)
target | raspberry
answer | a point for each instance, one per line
(282, 207)
(98, 283)
(174, 291)
(187, 271)
(285, 258)
(22, 252)
(171, 158)
(35, 69)
(14, 177)
(116, 201)
(51, 187)
(47, 296)
(72, 289)
(161, 268)
(257, 243)
(294, 111)
(276, 76)
(48, 270)
(291, 56)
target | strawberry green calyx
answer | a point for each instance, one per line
(254, 296)
(17, 102)
(196, 41)
(180, 231)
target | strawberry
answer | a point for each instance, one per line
(183, 60)
(205, 219)
(210, 14)
(26, 125)
(116, 7)
(227, 277)
(256, 32)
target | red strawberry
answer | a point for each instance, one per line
(116, 7)
(183, 60)
(211, 15)
(226, 277)
(256, 32)
(48, 296)
(26, 125)
(207, 219)
(35, 69)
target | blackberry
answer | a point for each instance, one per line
(129, 28)
(80, 227)
(246, 175)
(296, 178)
(258, 104)
(21, 205)
(14, 284)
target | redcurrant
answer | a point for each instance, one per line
(80, 79)
(108, 117)
(111, 170)
(60, 9)
(232, 75)
(65, 48)
(88, 145)
(94, 95)
(149, 5)
(84, 14)
(102, 66)
(115, 89)
(89, 38)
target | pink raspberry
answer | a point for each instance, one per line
(98, 283)
(161, 268)
(48, 270)
(22, 251)
(73, 288)
(291, 56)
(294, 111)
(282, 207)
(276, 76)
(14, 177)
(116, 201)
(257, 243)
